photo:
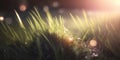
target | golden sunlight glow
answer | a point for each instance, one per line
(115, 2)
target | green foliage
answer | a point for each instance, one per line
(87, 29)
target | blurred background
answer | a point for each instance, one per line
(93, 24)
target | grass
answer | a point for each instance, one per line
(53, 34)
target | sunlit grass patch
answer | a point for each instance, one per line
(53, 33)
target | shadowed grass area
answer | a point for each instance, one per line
(49, 39)
(44, 37)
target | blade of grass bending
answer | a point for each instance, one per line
(19, 19)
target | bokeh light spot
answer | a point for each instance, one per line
(23, 7)
(55, 4)
(46, 8)
(1, 18)
(93, 43)
(70, 39)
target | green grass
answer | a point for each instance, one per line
(101, 29)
